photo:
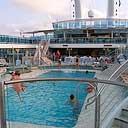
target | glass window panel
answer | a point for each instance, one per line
(65, 25)
(60, 25)
(71, 25)
(117, 23)
(103, 23)
(55, 25)
(77, 24)
(83, 24)
(122, 24)
(96, 24)
(110, 23)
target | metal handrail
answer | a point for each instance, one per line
(90, 98)
(103, 87)
(89, 103)
(67, 79)
(97, 115)
(91, 82)
(95, 90)
(99, 92)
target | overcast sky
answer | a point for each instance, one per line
(28, 15)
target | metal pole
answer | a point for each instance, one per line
(2, 106)
(13, 59)
(39, 53)
(69, 52)
(97, 112)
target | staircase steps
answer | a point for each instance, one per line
(122, 120)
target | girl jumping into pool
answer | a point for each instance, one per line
(18, 87)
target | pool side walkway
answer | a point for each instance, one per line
(25, 125)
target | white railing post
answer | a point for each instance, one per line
(2, 106)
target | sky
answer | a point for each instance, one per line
(29, 15)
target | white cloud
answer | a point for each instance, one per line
(50, 7)
(50, 11)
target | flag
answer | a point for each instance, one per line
(119, 3)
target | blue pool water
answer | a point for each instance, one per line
(46, 102)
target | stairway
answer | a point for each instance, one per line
(122, 120)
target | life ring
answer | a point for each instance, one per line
(89, 89)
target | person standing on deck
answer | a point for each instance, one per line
(58, 55)
(77, 61)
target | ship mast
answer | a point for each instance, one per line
(76, 9)
(113, 8)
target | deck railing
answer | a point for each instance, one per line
(113, 96)
(82, 40)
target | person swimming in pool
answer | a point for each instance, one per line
(18, 87)
(72, 99)
(76, 105)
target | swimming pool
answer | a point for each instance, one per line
(46, 103)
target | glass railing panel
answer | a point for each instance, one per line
(60, 25)
(110, 23)
(83, 24)
(89, 40)
(65, 25)
(77, 24)
(104, 24)
(97, 24)
(122, 24)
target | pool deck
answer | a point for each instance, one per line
(25, 125)
(81, 120)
